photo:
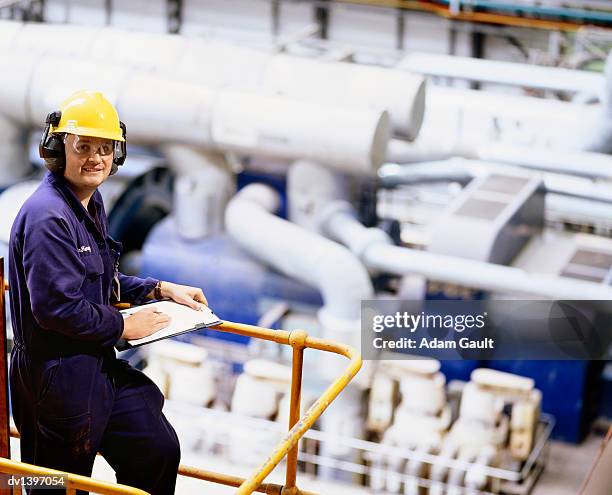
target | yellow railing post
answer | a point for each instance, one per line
(297, 431)
(5, 445)
(297, 339)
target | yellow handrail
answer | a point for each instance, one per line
(73, 481)
(298, 340)
(184, 470)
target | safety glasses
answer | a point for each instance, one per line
(85, 146)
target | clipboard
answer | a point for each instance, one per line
(183, 320)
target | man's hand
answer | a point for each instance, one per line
(144, 323)
(183, 294)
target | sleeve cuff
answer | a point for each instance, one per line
(119, 323)
(148, 285)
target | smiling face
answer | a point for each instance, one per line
(89, 161)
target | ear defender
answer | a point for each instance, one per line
(120, 150)
(52, 146)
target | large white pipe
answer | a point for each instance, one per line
(469, 103)
(350, 84)
(422, 150)
(579, 163)
(463, 170)
(469, 118)
(579, 211)
(378, 253)
(161, 110)
(14, 163)
(600, 137)
(310, 187)
(203, 186)
(446, 170)
(507, 73)
(11, 201)
(306, 256)
(221, 65)
(522, 130)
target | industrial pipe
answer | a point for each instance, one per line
(203, 186)
(339, 223)
(502, 72)
(193, 115)
(422, 150)
(309, 189)
(14, 163)
(578, 163)
(463, 171)
(221, 65)
(215, 65)
(306, 256)
(600, 137)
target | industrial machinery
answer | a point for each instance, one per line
(297, 176)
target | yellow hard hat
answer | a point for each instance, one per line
(89, 113)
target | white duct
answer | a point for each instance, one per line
(310, 187)
(350, 84)
(600, 137)
(221, 65)
(11, 201)
(354, 140)
(338, 274)
(521, 130)
(203, 186)
(590, 192)
(468, 119)
(501, 72)
(161, 110)
(504, 105)
(579, 163)
(376, 251)
(579, 210)
(575, 199)
(465, 117)
(400, 151)
(14, 163)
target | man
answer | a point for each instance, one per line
(71, 397)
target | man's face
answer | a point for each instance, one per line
(89, 160)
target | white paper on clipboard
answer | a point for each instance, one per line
(183, 319)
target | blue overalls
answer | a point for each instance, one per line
(71, 397)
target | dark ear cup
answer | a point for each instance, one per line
(120, 150)
(48, 147)
(51, 147)
(54, 147)
(122, 155)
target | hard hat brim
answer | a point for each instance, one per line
(88, 131)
